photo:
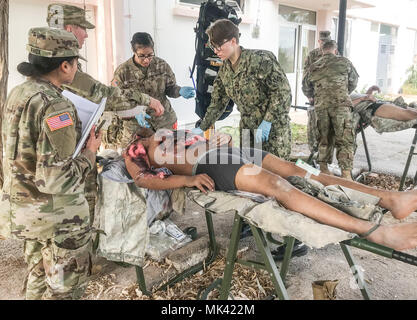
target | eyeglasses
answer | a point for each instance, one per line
(213, 47)
(143, 57)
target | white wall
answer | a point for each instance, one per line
(364, 52)
(404, 55)
(365, 44)
(25, 14)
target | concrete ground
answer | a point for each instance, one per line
(388, 152)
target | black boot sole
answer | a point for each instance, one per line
(298, 252)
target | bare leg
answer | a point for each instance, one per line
(399, 237)
(394, 112)
(401, 204)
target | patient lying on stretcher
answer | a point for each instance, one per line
(384, 116)
(215, 165)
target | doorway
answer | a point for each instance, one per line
(297, 37)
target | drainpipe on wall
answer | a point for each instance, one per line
(342, 27)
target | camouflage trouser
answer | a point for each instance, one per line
(55, 273)
(313, 133)
(279, 141)
(336, 122)
(399, 101)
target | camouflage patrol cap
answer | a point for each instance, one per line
(60, 15)
(325, 35)
(52, 43)
(329, 45)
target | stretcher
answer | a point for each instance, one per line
(264, 237)
(266, 218)
(122, 221)
(211, 257)
(407, 164)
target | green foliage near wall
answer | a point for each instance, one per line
(410, 85)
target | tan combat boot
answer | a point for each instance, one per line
(324, 168)
(346, 174)
(324, 289)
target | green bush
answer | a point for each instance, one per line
(299, 133)
(410, 84)
(407, 89)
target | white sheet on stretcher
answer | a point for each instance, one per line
(271, 217)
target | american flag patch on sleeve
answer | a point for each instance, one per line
(60, 121)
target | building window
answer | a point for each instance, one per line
(386, 62)
(333, 31)
(290, 14)
(388, 30)
(240, 3)
(195, 2)
(287, 45)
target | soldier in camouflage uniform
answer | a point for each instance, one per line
(73, 19)
(257, 84)
(329, 81)
(312, 133)
(146, 73)
(43, 198)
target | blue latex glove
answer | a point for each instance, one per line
(187, 92)
(141, 119)
(197, 131)
(262, 134)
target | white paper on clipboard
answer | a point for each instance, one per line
(88, 112)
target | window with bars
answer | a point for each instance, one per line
(290, 14)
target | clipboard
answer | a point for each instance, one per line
(89, 114)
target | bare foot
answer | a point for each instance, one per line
(398, 236)
(403, 204)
